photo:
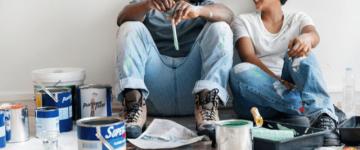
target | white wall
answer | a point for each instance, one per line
(81, 33)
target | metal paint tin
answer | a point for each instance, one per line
(232, 134)
(2, 130)
(18, 122)
(101, 133)
(7, 119)
(95, 100)
(64, 104)
(47, 119)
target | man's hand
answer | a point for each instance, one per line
(300, 46)
(185, 10)
(161, 5)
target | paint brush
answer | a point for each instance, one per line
(173, 26)
(176, 42)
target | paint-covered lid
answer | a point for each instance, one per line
(58, 76)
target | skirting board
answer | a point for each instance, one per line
(16, 96)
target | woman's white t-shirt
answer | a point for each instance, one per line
(270, 48)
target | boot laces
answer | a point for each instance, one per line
(325, 122)
(134, 111)
(212, 99)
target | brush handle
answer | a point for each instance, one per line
(176, 42)
(259, 121)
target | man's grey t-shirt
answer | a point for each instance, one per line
(159, 26)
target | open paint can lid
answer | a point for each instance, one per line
(58, 76)
(234, 123)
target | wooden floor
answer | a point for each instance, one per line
(189, 122)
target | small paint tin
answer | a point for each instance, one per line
(101, 133)
(16, 122)
(2, 130)
(47, 119)
(64, 105)
(95, 100)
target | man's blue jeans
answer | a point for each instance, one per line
(251, 86)
(168, 83)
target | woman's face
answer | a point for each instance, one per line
(263, 4)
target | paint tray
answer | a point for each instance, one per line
(350, 131)
(304, 138)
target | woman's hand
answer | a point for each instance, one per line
(185, 10)
(300, 46)
(287, 84)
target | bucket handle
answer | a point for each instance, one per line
(102, 139)
(46, 91)
(58, 82)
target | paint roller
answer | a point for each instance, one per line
(269, 134)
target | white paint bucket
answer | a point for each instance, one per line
(234, 134)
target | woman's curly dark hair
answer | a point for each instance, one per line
(283, 2)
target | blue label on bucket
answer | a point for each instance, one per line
(46, 113)
(114, 135)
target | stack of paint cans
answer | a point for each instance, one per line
(61, 99)
(58, 78)
(95, 100)
(16, 122)
(105, 133)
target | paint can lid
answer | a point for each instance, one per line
(59, 76)
(8, 106)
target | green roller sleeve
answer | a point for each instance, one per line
(274, 135)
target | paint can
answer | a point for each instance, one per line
(101, 133)
(47, 120)
(18, 123)
(234, 133)
(7, 119)
(2, 130)
(74, 97)
(63, 102)
(95, 100)
(61, 77)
